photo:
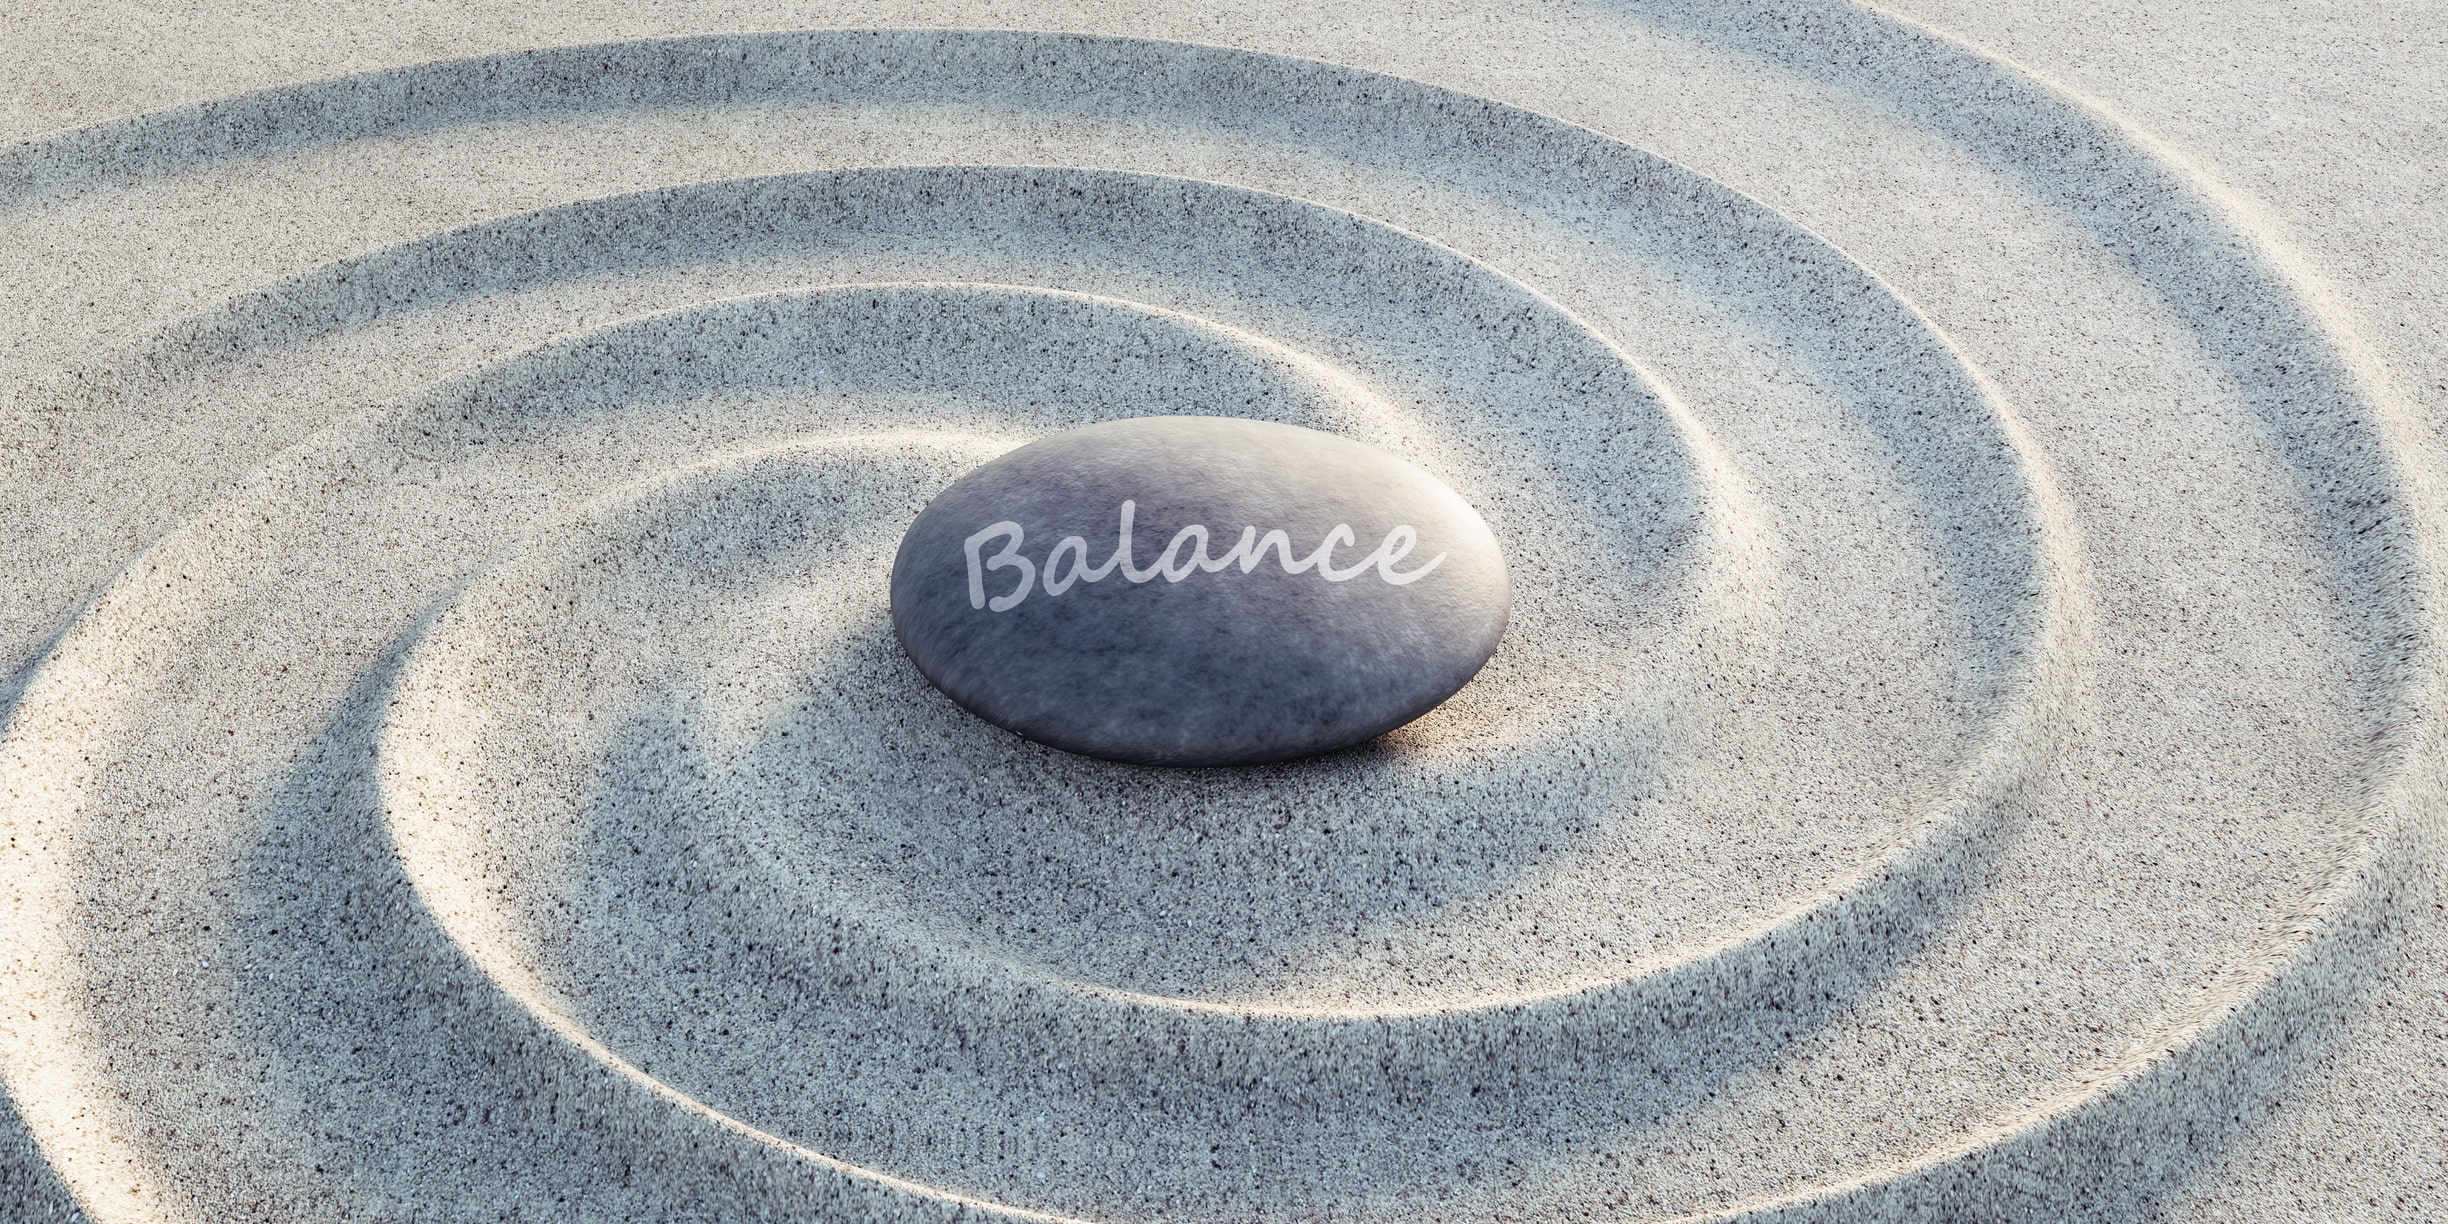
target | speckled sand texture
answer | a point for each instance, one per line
(1968, 746)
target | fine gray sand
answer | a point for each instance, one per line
(1969, 743)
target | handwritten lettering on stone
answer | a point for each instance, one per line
(1316, 591)
(1184, 556)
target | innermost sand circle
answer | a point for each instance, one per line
(693, 692)
(705, 661)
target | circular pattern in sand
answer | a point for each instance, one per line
(1877, 804)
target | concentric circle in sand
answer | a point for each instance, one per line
(1841, 828)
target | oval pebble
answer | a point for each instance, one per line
(1199, 591)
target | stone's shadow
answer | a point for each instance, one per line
(1164, 881)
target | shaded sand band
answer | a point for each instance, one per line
(523, 760)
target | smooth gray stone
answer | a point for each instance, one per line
(1019, 594)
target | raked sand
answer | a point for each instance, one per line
(1968, 744)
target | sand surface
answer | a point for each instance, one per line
(1969, 744)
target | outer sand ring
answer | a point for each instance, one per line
(1738, 1001)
